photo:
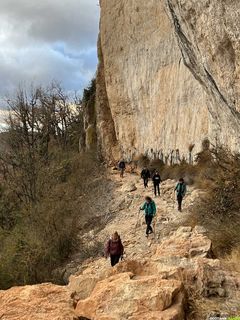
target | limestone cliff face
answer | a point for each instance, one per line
(168, 76)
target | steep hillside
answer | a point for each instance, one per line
(170, 275)
(168, 76)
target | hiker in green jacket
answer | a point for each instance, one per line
(149, 208)
(181, 192)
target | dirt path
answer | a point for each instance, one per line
(126, 203)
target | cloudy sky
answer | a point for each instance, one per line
(45, 40)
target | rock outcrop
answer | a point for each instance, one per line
(168, 76)
(156, 287)
(175, 268)
(124, 297)
(170, 275)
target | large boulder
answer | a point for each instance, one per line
(125, 296)
(82, 286)
(38, 302)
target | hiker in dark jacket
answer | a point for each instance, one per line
(181, 190)
(156, 183)
(122, 167)
(145, 175)
(114, 249)
(149, 208)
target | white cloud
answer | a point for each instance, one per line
(4, 114)
(48, 39)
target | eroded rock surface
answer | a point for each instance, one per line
(39, 302)
(124, 297)
(156, 287)
(177, 257)
(168, 76)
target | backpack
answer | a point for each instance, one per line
(145, 173)
(151, 205)
(181, 188)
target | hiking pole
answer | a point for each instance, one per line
(174, 199)
(154, 227)
(136, 225)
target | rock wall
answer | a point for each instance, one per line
(168, 76)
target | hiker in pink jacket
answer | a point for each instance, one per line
(114, 249)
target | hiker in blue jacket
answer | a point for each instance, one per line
(181, 190)
(149, 208)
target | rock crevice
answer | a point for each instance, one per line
(215, 76)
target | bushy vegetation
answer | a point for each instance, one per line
(219, 210)
(43, 183)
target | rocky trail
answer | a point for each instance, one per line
(170, 276)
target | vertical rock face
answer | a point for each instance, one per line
(168, 75)
(208, 34)
(105, 125)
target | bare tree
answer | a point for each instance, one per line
(37, 119)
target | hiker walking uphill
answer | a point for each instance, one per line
(145, 175)
(156, 183)
(149, 208)
(122, 167)
(114, 249)
(181, 191)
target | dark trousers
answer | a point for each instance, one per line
(121, 172)
(156, 189)
(148, 220)
(145, 182)
(114, 259)
(179, 200)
